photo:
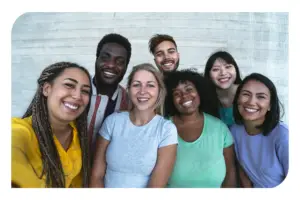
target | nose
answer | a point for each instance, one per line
(76, 94)
(251, 100)
(111, 63)
(142, 89)
(222, 70)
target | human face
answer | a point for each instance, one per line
(186, 98)
(111, 64)
(223, 74)
(144, 91)
(166, 56)
(254, 101)
(68, 95)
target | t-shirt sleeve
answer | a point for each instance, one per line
(106, 128)
(169, 135)
(228, 139)
(282, 148)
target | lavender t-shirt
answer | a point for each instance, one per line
(265, 159)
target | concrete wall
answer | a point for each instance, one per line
(258, 42)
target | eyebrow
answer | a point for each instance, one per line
(75, 81)
(260, 93)
(141, 82)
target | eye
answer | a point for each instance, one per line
(215, 69)
(151, 85)
(87, 92)
(69, 85)
(261, 97)
(245, 94)
(228, 66)
(176, 94)
(159, 54)
(172, 51)
(135, 85)
(120, 61)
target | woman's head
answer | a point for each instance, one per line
(222, 69)
(189, 92)
(256, 101)
(146, 88)
(63, 95)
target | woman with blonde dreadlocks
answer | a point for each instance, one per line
(49, 143)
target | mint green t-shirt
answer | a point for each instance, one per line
(201, 164)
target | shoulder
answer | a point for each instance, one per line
(281, 132)
(214, 122)
(117, 116)
(166, 124)
(21, 129)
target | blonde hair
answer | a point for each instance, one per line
(159, 78)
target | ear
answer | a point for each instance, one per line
(46, 89)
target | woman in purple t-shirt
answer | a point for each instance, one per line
(261, 140)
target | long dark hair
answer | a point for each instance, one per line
(52, 166)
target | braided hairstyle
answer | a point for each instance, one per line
(52, 166)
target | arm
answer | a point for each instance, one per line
(282, 149)
(230, 178)
(99, 166)
(164, 166)
(22, 171)
(244, 179)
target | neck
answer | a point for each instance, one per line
(140, 118)
(59, 128)
(196, 116)
(250, 127)
(227, 95)
(105, 89)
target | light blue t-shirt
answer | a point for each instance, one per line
(265, 159)
(132, 152)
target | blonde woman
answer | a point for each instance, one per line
(137, 149)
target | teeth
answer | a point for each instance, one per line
(168, 64)
(250, 110)
(143, 99)
(187, 103)
(109, 73)
(223, 79)
(73, 107)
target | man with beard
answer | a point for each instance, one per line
(166, 57)
(164, 49)
(112, 58)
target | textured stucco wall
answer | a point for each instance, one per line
(258, 42)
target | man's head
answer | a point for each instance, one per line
(164, 49)
(112, 58)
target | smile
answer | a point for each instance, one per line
(71, 106)
(109, 74)
(251, 110)
(223, 80)
(187, 103)
(142, 99)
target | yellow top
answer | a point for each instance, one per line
(26, 162)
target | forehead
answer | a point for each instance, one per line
(144, 76)
(256, 87)
(164, 46)
(183, 84)
(75, 73)
(114, 49)
(219, 61)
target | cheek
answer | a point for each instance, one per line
(213, 75)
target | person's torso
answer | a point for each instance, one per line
(200, 163)
(257, 155)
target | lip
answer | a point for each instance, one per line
(142, 99)
(187, 104)
(224, 80)
(109, 74)
(250, 110)
(71, 106)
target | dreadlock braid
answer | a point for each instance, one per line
(52, 166)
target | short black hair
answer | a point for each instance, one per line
(115, 38)
(273, 116)
(206, 90)
(159, 38)
(227, 57)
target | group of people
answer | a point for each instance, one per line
(168, 128)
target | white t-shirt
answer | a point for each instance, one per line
(132, 152)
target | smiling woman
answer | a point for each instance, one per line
(261, 140)
(49, 143)
(136, 149)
